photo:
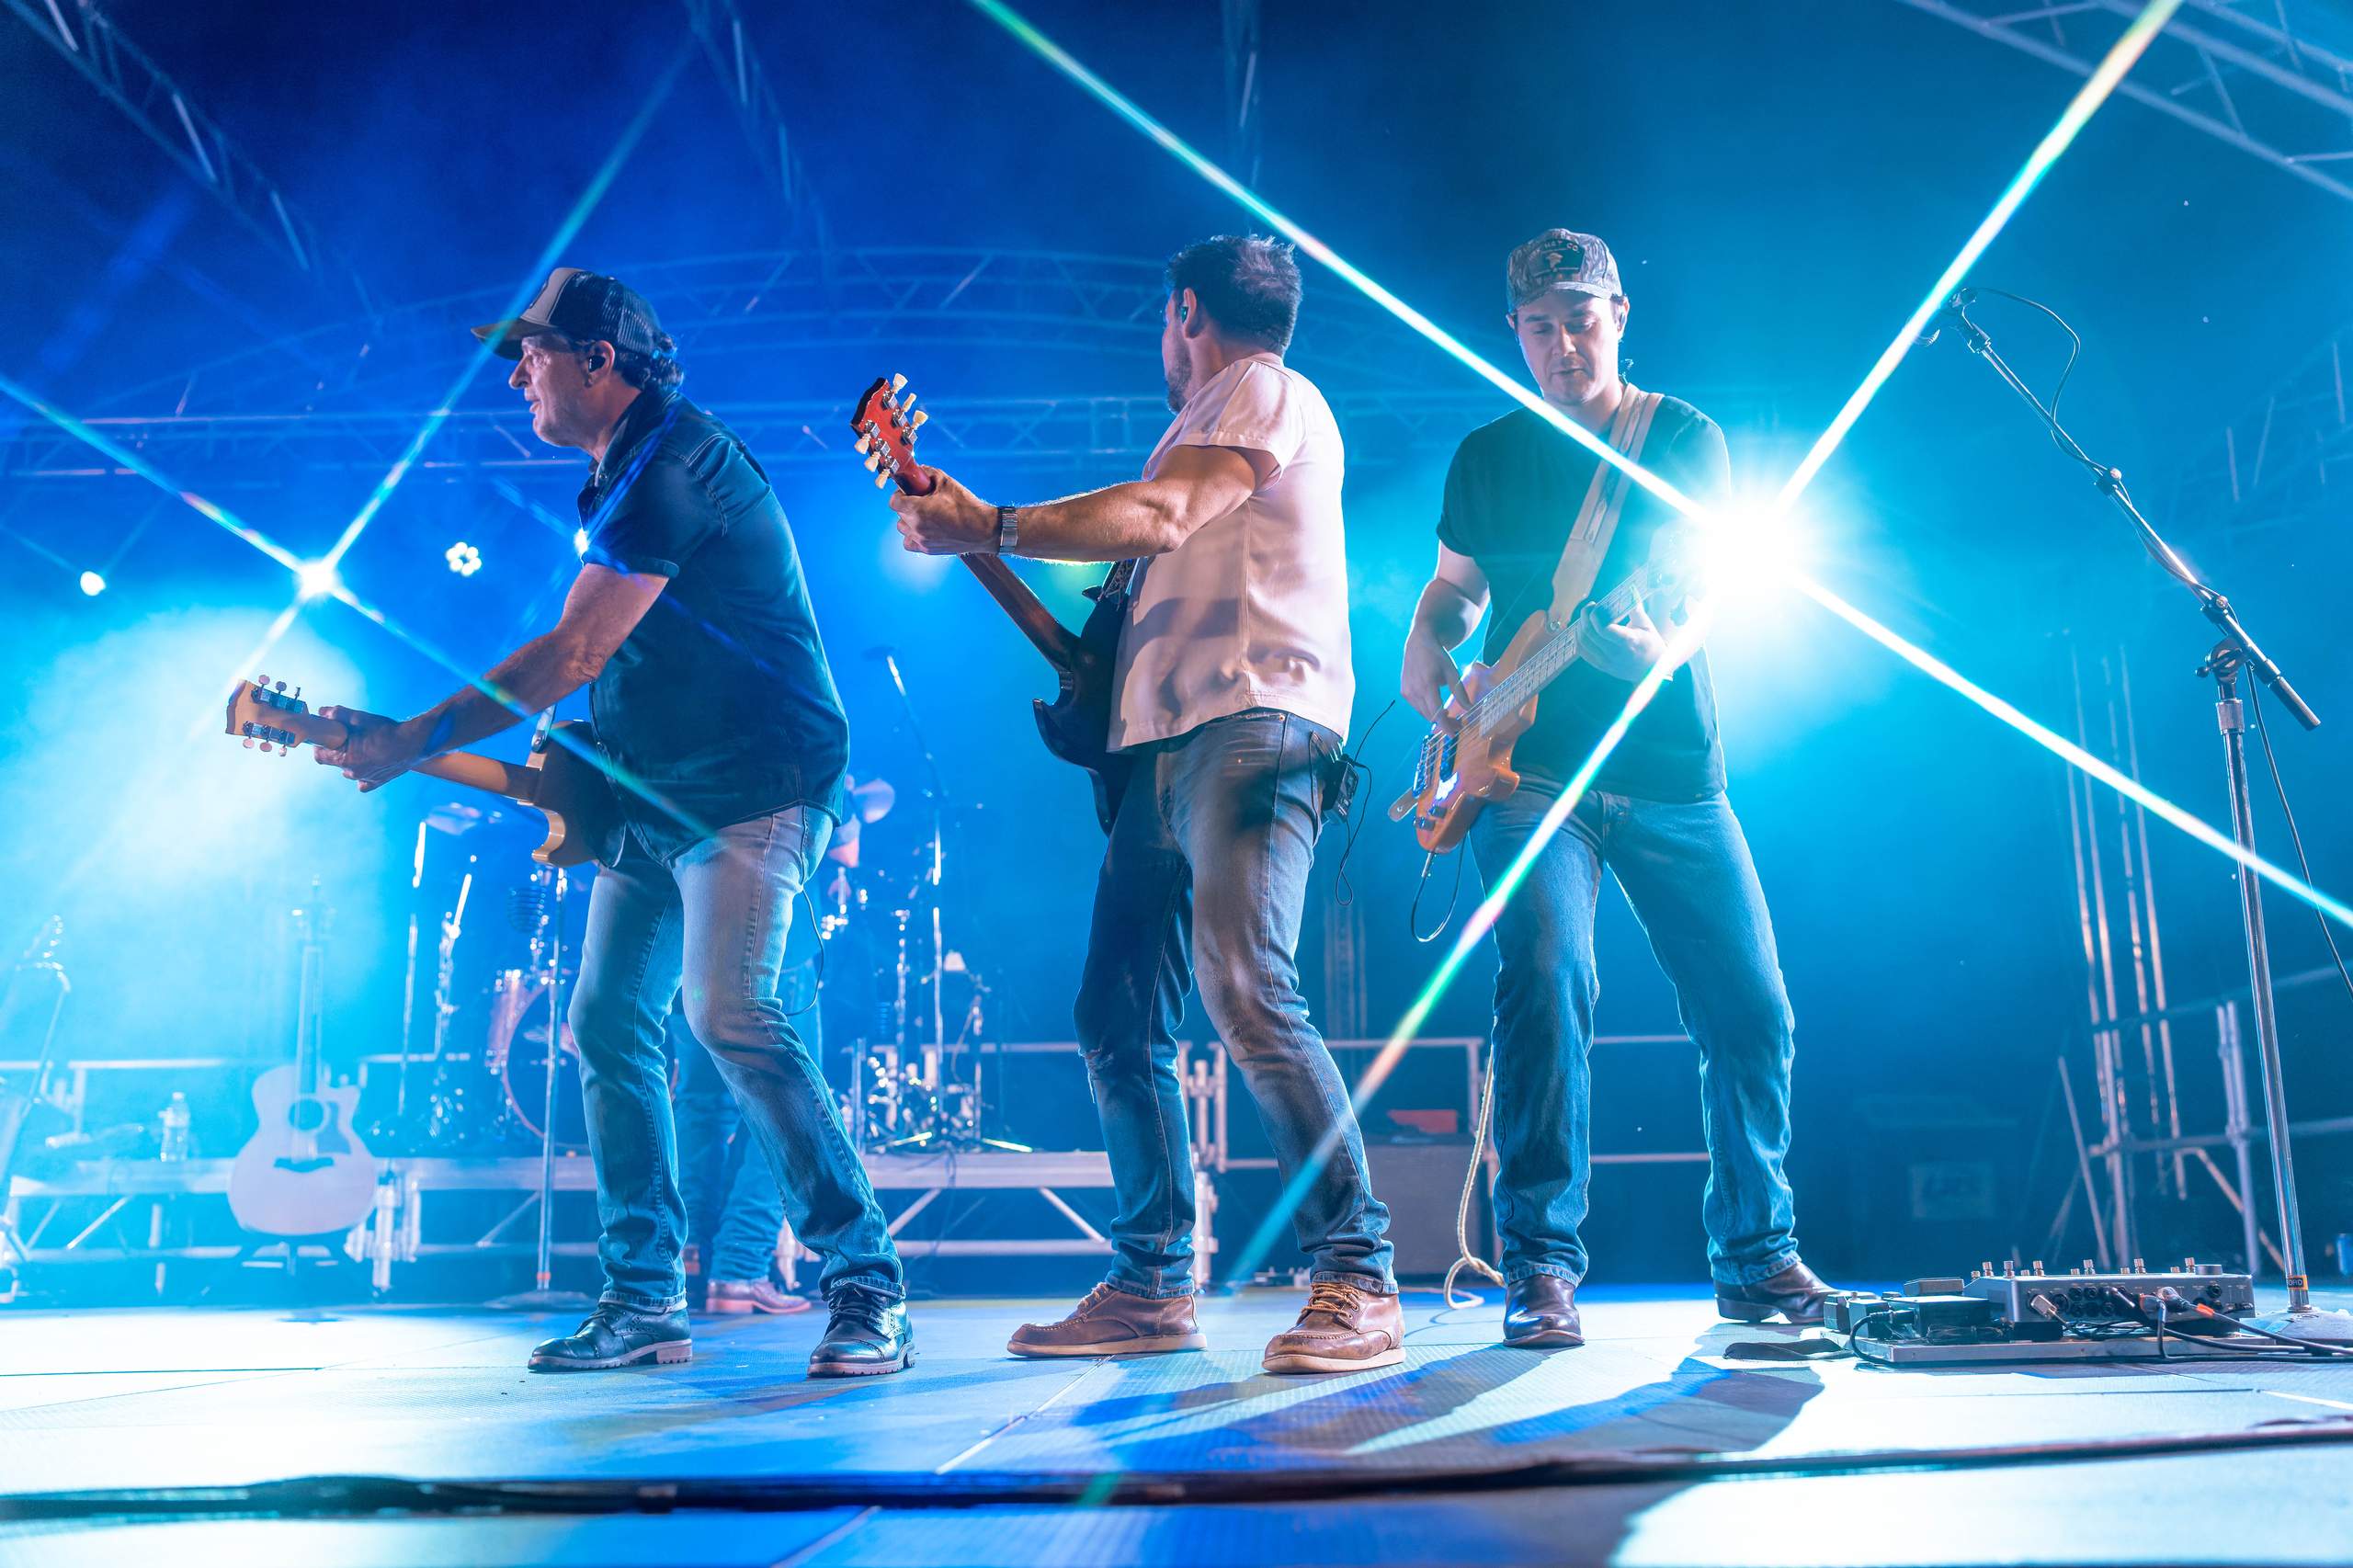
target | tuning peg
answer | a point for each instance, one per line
(873, 462)
(249, 743)
(880, 480)
(864, 442)
(264, 747)
(898, 383)
(262, 682)
(917, 422)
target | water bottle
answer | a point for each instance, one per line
(174, 1142)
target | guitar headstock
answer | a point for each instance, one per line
(267, 716)
(886, 420)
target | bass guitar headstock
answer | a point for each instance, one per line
(886, 420)
(268, 716)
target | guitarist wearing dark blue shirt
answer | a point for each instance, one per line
(716, 713)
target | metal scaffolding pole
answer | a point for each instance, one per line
(94, 46)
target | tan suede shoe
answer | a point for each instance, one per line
(1343, 1328)
(1113, 1323)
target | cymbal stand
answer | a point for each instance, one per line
(542, 1296)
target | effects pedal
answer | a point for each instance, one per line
(2090, 1293)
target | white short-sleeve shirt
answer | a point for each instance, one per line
(1252, 610)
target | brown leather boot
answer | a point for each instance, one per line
(1113, 1323)
(1342, 1328)
(1796, 1293)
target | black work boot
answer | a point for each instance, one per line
(1541, 1314)
(1796, 1293)
(616, 1335)
(867, 1333)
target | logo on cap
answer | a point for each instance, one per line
(1560, 258)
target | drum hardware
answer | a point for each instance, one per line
(538, 907)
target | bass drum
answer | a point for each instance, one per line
(517, 1059)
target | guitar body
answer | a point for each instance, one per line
(1076, 726)
(1478, 767)
(583, 815)
(305, 1173)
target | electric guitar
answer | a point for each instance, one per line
(584, 817)
(1457, 776)
(1076, 726)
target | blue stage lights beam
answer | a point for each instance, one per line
(1944, 675)
(2120, 59)
(566, 232)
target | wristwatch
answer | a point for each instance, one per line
(1008, 529)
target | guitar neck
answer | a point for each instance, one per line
(1555, 654)
(1046, 634)
(476, 772)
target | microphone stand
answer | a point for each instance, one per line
(2236, 652)
(936, 796)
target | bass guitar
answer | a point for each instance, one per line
(1457, 776)
(1076, 726)
(583, 814)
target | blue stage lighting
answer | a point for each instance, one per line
(318, 579)
(464, 559)
(93, 584)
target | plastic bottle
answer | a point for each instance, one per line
(174, 1142)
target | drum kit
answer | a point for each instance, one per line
(475, 1079)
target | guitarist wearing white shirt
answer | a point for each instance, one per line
(1232, 694)
(1656, 815)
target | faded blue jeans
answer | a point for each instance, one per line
(1206, 876)
(734, 1209)
(1687, 871)
(713, 918)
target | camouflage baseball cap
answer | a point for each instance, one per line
(1561, 258)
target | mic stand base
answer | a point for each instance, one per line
(2318, 1324)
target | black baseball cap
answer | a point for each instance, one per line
(586, 307)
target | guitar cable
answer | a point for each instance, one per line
(1349, 772)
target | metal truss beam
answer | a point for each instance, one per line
(94, 47)
(1091, 434)
(2248, 73)
(1013, 306)
(2286, 461)
(720, 27)
(1245, 137)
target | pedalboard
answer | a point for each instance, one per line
(2023, 1315)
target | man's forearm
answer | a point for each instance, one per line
(1447, 614)
(1119, 523)
(538, 674)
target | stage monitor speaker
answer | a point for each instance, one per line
(1422, 1183)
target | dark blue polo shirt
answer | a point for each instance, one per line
(720, 701)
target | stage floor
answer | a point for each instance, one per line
(192, 1397)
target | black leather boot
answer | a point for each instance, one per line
(616, 1335)
(867, 1334)
(1541, 1314)
(1796, 1293)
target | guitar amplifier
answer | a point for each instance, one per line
(1422, 1184)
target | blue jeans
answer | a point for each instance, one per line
(733, 1208)
(1687, 871)
(714, 917)
(1206, 874)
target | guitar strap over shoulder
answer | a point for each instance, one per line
(1605, 499)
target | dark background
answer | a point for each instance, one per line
(1782, 184)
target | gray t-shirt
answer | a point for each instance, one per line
(1252, 610)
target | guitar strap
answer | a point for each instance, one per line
(1605, 500)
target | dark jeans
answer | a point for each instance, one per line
(714, 915)
(733, 1208)
(1687, 871)
(1206, 874)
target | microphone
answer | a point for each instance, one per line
(1955, 303)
